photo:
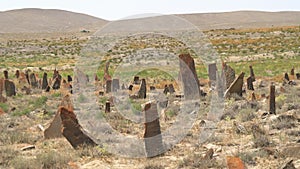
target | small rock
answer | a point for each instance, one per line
(30, 147)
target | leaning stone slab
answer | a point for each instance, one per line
(236, 87)
(54, 130)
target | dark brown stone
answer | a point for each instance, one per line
(130, 87)
(252, 73)
(108, 86)
(298, 76)
(107, 107)
(17, 74)
(33, 81)
(136, 80)
(5, 72)
(72, 131)
(54, 130)
(293, 71)
(166, 89)
(286, 77)
(56, 84)
(101, 93)
(152, 88)
(253, 97)
(212, 70)
(250, 83)
(48, 89)
(152, 135)
(171, 89)
(229, 74)
(27, 77)
(115, 85)
(189, 77)
(10, 88)
(272, 106)
(45, 81)
(236, 87)
(70, 78)
(142, 93)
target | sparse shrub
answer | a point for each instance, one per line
(21, 113)
(7, 154)
(4, 107)
(24, 163)
(53, 159)
(247, 115)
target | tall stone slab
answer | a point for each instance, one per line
(236, 87)
(229, 74)
(212, 70)
(33, 81)
(142, 93)
(10, 88)
(272, 107)
(45, 81)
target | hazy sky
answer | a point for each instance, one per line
(117, 9)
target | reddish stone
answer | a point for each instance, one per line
(235, 163)
(67, 103)
(272, 106)
(252, 74)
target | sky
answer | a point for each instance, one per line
(118, 9)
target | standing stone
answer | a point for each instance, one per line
(27, 77)
(171, 89)
(115, 85)
(253, 97)
(166, 89)
(45, 81)
(72, 130)
(286, 77)
(212, 69)
(250, 83)
(130, 87)
(229, 74)
(107, 107)
(56, 84)
(189, 77)
(252, 73)
(54, 130)
(70, 79)
(108, 86)
(298, 76)
(48, 89)
(5, 72)
(55, 74)
(152, 135)
(33, 81)
(136, 80)
(10, 88)
(142, 94)
(236, 87)
(293, 71)
(1, 86)
(220, 85)
(17, 74)
(272, 99)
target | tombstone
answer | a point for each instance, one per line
(220, 85)
(80, 78)
(250, 83)
(55, 74)
(48, 89)
(252, 74)
(56, 84)
(108, 86)
(272, 107)
(115, 85)
(152, 88)
(130, 87)
(107, 107)
(54, 130)
(229, 74)
(72, 130)
(152, 135)
(10, 88)
(189, 77)
(27, 77)
(212, 69)
(17, 74)
(33, 81)
(1, 86)
(142, 93)
(136, 80)
(286, 77)
(166, 89)
(70, 79)
(45, 81)
(171, 89)
(236, 87)
(298, 76)
(293, 71)
(5, 72)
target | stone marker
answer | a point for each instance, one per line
(136, 80)
(33, 81)
(252, 73)
(298, 76)
(142, 93)
(107, 107)
(286, 77)
(152, 135)
(48, 89)
(253, 97)
(54, 130)
(236, 87)
(70, 79)
(229, 74)
(166, 89)
(130, 87)
(250, 83)
(115, 85)
(272, 106)
(5, 72)
(152, 88)
(212, 69)
(56, 84)
(10, 88)
(1, 86)
(66, 102)
(17, 74)
(123, 87)
(45, 81)
(108, 86)
(171, 89)
(293, 71)
(189, 77)
(72, 131)
(101, 93)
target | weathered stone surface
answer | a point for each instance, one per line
(54, 130)
(5, 72)
(130, 87)
(252, 73)
(33, 81)
(106, 72)
(107, 107)
(236, 87)
(136, 80)
(10, 88)
(115, 85)
(142, 93)
(235, 163)
(108, 86)
(212, 70)
(72, 131)
(152, 135)
(45, 81)
(1, 86)
(189, 77)
(56, 84)
(272, 107)
(250, 83)
(229, 74)
(27, 77)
